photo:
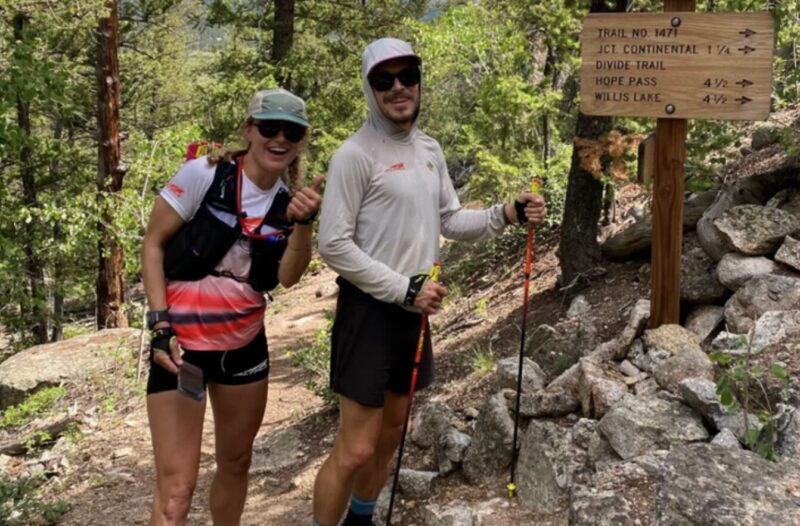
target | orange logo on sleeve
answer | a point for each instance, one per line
(175, 189)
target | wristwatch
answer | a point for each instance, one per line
(156, 316)
(415, 284)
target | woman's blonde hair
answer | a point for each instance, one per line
(293, 177)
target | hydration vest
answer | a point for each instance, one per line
(196, 249)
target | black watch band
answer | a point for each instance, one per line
(156, 316)
(415, 284)
(307, 221)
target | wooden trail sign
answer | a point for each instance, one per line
(674, 66)
(678, 65)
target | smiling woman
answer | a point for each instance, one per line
(224, 231)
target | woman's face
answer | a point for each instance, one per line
(270, 148)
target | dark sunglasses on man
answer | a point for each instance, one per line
(291, 130)
(384, 81)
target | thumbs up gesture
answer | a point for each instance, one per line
(306, 201)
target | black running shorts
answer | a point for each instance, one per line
(237, 367)
(372, 348)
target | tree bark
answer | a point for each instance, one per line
(579, 251)
(283, 32)
(58, 238)
(110, 174)
(34, 267)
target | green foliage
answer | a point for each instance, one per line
(21, 505)
(35, 405)
(315, 358)
(742, 372)
(482, 360)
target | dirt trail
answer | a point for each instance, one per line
(113, 485)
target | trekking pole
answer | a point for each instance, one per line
(511, 486)
(434, 276)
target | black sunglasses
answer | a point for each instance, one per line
(291, 130)
(383, 80)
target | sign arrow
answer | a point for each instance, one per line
(744, 83)
(747, 33)
(747, 49)
(743, 100)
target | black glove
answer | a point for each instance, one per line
(519, 207)
(160, 340)
(415, 284)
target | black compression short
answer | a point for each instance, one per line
(372, 348)
(237, 367)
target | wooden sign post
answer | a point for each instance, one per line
(674, 67)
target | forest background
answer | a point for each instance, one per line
(84, 149)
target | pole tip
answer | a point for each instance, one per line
(512, 489)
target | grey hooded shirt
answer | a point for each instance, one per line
(389, 197)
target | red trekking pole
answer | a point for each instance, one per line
(434, 276)
(511, 486)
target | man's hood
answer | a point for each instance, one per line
(379, 51)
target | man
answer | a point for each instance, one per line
(388, 198)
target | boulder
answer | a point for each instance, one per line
(787, 425)
(278, 452)
(578, 307)
(533, 378)
(756, 230)
(789, 253)
(621, 494)
(599, 389)
(547, 403)
(729, 195)
(549, 464)
(450, 449)
(555, 348)
(699, 283)
(638, 424)
(734, 269)
(711, 484)
(489, 452)
(765, 135)
(453, 514)
(701, 395)
(787, 200)
(599, 452)
(51, 364)
(704, 320)
(673, 339)
(430, 421)
(774, 327)
(690, 363)
(726, 438)
(416, 484)
(760, 295)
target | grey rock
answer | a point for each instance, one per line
(598, 390)
(278, 453)
(787, 200)
(787, 425)
(729, 340)
(765, 135)
(774, 327)
(430, 421)
(735, 423)
(533, 378)
(547, 403)
(453, 514)
(701, 395)
(729, 195)
(646, 387)
(726, 438)
(704, 320)
(639, 424)
(600, 452)
(710, 484)
(51, 364)
(756, 230)
(578, 307)
(416, 484)
(620, 495)
(489, 452)
(327, 290)
(699, 283)
(690, 363)
(555, 348)
(760, 295)
(450, 449)
(673, 339)
(549, 463)
(734, 269)
(628, 369)
(789, 253)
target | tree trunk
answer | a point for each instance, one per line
(58, 238)
(283, 33)
(34, 267)
(578, 250)
(110, 174)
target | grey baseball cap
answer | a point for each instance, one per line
(278, 105)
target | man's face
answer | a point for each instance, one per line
(399, 102)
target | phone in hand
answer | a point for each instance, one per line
(190, 381)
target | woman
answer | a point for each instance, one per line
(221, 234)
